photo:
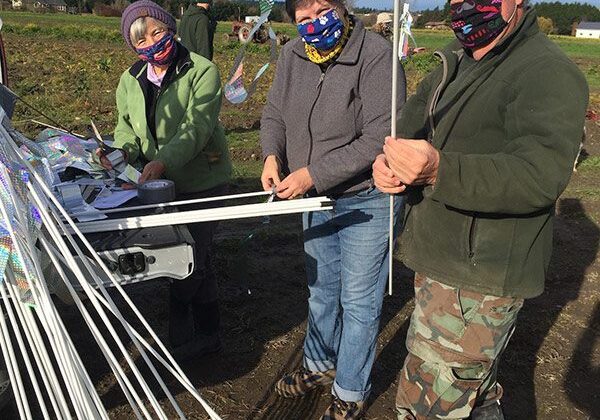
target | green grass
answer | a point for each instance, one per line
(578, 47)
(590, 163)
(247, 169)
(591, 194)
(243, 139)
(60, 19)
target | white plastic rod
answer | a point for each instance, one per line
(90, 292)
(73, 265)
(206, 215)
(118, 371)
(393, 134)
(177, 203)
(52, 254)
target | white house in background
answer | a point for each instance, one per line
(588, 30)
(17, 4)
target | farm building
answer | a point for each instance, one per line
(58, 5)
(588, 30)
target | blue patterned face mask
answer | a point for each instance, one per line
(324, 32)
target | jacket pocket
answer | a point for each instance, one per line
(489, 243)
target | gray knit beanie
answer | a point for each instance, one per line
(144, 8)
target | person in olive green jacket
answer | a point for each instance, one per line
(168, 104)
(197, 28)
(486, 147)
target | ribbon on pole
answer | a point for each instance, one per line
(235, 91)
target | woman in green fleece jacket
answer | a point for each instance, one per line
(169, 103)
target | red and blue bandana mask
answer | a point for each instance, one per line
(324, 32)
(476, 23)
(161, 52)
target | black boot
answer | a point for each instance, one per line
(206, 333)
(181, 323)
(207, 318)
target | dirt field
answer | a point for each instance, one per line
(551, 369)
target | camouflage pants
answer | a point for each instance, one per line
(454, 343)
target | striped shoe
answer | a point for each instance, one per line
(344, 410)
(301, 381)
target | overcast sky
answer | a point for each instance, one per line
(430, 4)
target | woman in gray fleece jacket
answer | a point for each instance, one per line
(324, 123)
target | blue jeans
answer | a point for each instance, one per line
(346, 253)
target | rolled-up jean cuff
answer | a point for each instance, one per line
(350, 396)
(318, 366)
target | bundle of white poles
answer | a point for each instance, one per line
(42, 360)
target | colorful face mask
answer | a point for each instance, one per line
(476, 23)
(324, 32)
(162, 52)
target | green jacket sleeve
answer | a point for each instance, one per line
(546, 122)
(198, 124)
(125, 137)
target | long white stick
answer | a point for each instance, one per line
(177, 203)
(13, 369)
(393, 134)
(206, 215)
(73, 264)
(53, 230)
(101, 263)
(87, 318)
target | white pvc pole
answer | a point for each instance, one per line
(393, 134)
(89, 291)
(52, 253)
(206, 215)
(52, 227)
(175, 203)
(117, 369)
(13, 369)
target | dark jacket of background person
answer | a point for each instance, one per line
(197, 31)
(507, 144)
(332, 121)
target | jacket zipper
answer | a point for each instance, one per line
(472, 228)
(437, 93)
(312, 108)
(159, 94)
(155, 108)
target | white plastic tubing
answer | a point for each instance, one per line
(48, 353)
(205, 215)
(393, 134)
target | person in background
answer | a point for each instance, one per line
(487, 146)
(168, 107)
(323, 125)
(197, 28)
